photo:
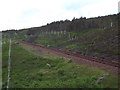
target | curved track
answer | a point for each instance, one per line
(92, 60)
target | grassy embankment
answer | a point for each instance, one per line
(29, 70)
(0, 60)
(98, 42)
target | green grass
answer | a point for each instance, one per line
(71, 47)
(42, 53)
(5, 48)
(54, 39)
(85, 32)
(84, 44)
(98, 42)
(31, 71)
(0, 59)
(51, 39)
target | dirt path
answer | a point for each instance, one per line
(77, 59)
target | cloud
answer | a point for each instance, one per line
(119, 7)
(77, 4)
(94, 8)
(16, 14)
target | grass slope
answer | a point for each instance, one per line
(100, 42)
(32, 71)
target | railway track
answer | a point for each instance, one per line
(91, 58)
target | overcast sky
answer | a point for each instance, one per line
(17, 14)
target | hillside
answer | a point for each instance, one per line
(36, 68)
(93, 36)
